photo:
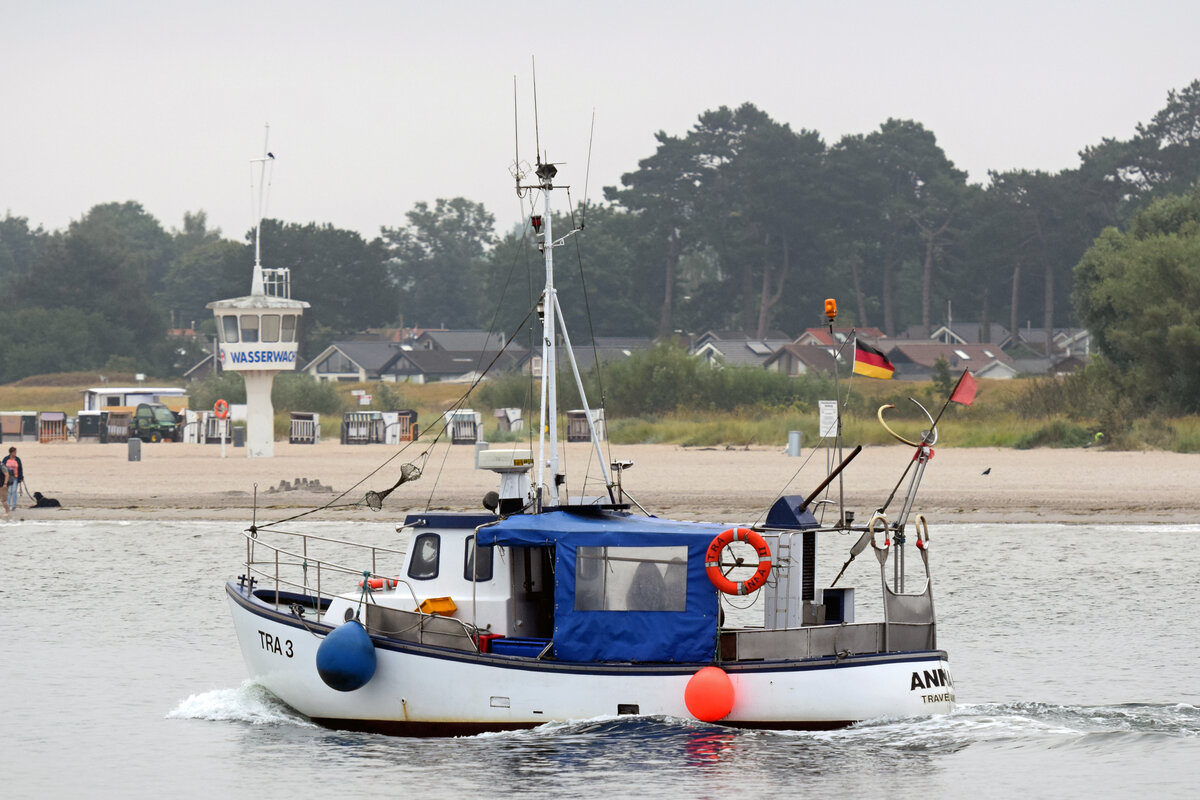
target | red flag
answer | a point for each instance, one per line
(964, 390)
(871, 362)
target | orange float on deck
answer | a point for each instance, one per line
(381, 583)
(709, 694)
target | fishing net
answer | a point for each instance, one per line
(374, 500)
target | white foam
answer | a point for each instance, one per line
(250, 702)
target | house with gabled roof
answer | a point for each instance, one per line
(206, 367)
(354, 362)
(386, 361)
(732, 336)
(430, 355)
(736, 349)
(804, 359)
(1074, 342)
(458, 341)
(963, 333)
(820, 336)
(606, 349)
(456, 366)
(915, 360)
(745, 353)
(1063, 341)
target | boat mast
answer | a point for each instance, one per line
(553, 326)
(549, 405)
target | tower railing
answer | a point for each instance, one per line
(277, 282)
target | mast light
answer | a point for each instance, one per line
(831, 309)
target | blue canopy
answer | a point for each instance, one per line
(626, 588)
(613, 528)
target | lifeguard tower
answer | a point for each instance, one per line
(258, 334)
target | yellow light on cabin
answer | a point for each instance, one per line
(831, 309)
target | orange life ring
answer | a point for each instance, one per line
(712, 561)
(221, 409)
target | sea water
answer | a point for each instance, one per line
(1075, 652)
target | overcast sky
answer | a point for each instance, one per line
(374, 106)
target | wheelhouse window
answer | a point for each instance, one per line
(288, 329)
(425, 551)
(477, 563)
(250, 327)
(631, 579)
(229, 329)
(270, 327)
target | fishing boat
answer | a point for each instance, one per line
(543, 606)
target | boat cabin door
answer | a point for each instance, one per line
(532, 612)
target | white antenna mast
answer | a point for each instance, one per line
(537, 140)
(551, 317)
(256, 284)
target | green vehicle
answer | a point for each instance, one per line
(154, 422)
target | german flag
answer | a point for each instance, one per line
(870, 362)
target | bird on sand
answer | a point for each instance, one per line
(987, 471)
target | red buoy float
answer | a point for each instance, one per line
(709, 694)
(381, 583)
(221, 409)
(712, 561)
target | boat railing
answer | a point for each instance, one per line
(292, 567)
(826, 641)
(417, 626)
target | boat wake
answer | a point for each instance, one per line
(1022, 725)
(1000, 725)
(1013, 725)
(250, 703)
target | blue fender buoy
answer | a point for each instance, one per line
(346, 659)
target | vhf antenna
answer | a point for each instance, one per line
(516, 136)
(587, 171)
(537, 140)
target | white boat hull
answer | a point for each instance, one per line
(426, 690)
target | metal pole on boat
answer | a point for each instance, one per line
(546, 173)
(587, 409)
(836, 472)
(551, 317)
(831, 315)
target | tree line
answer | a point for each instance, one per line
(741, 222)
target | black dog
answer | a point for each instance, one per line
(44, 502)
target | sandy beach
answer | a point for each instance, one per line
(183, 481)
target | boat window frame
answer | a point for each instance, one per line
(470, 551)
(436, 538)
(631, 578)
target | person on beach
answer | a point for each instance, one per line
(4, 488)
(14, 475)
